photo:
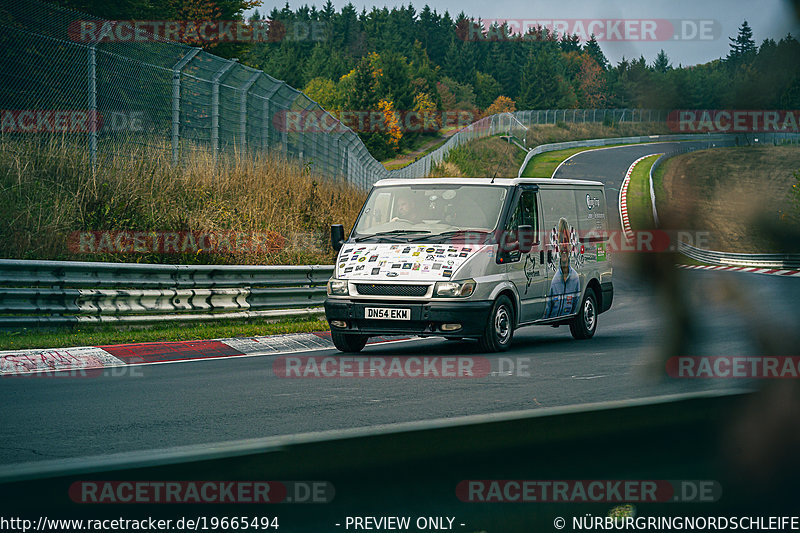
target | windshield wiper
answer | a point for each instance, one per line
(392, 232)
(451, 233)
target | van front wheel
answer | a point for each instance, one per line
(584, 324)
(348, 342)
(499, 328)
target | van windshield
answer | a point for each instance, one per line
(429, 212)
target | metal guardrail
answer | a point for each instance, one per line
(66, 292)
(426, 461)
(739, 139)
(781, 261)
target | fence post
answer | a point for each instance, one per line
(265, 118)
(243, 107)
(215, 106)
(92, 79)
(176, 100)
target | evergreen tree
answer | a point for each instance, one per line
(593, 49)
(540, 82)
(570, 43)
(661, 63)
(743, 46)
(487, 89)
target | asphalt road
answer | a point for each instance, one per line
(166, 405)
(610, 164)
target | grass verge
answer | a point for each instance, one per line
(640, 209)
(543, 165)
(739, 199)
(481, 158)
(422, 146)
(103, 334)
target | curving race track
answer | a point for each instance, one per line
(166, 405)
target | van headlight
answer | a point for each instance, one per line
(454, 289)
(337, 287)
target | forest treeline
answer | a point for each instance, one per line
(399, 60)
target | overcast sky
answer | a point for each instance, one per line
(768, 18)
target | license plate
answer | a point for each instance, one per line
(386, 313)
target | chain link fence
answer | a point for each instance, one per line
(114, 98)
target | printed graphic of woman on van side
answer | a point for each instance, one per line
(565, 288)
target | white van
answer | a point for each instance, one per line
(471, 258)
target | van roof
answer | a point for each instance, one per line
(487, 181)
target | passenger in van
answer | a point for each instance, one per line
(565, 288)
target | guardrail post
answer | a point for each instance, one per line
(243, 108)
(92, 87)
(176, 101)
(215, 106)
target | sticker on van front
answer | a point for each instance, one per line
(418, 262)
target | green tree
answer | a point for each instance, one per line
(487, 89)
(541, 83)
(661, 63)
(322, 91)
(743, 46)
(593, 49)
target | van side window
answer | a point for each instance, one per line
(525, 213)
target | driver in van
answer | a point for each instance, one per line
(406, 210)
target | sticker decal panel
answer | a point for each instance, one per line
(389, 260)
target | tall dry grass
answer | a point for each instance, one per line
(48, 191)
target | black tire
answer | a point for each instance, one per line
(499, 328)
(584, 324)
(348, 342)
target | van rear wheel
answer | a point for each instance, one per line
(584, 324)
(348, 342)
(499, 328)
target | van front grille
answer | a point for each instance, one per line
(390, 289)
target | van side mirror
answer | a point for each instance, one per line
(525, 238)
(337, 236)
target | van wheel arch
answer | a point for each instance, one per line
(598, 294)
(514, 302)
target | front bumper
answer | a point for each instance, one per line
(426, 317)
